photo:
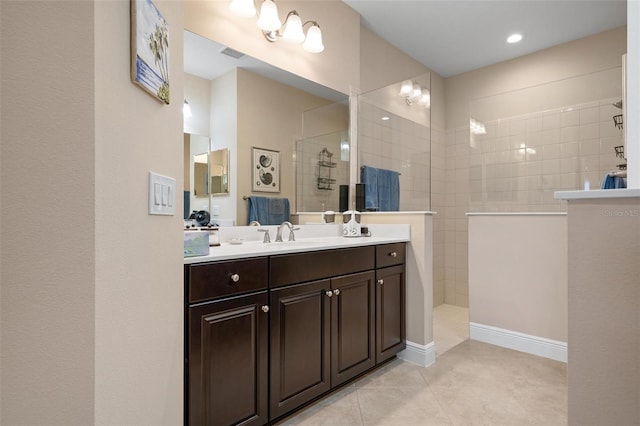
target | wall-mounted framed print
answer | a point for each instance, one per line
(266, 170)
(150, 49)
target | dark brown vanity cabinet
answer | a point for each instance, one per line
(390, 300)
(264, 336)
(226, 343)
(322, 331)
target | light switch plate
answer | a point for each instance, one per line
(162, 194)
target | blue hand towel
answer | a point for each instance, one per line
(388, 191)
(382, 189)
(268, 210)
(369, 176)
(614, 182)
(608, 182)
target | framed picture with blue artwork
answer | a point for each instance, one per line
(150, 49)
(266, 170)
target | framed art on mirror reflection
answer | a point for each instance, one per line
(266, 170)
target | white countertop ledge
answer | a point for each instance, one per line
(516, 214)
(308, 238)
(597, 194)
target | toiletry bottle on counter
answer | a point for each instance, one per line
(214, 237)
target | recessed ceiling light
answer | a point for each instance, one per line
(385, 118)
(514, 38)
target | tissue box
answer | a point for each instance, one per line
(196, 243)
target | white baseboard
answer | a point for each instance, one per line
(534, 345)
(422, 355)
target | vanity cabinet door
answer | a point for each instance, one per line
(352, 326)
(390, 312)
(299, 355)
(227, 361)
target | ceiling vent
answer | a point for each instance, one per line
(231, 52)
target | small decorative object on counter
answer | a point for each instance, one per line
(196, 243)
(364, 231)
(214, 238)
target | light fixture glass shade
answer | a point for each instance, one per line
(425, 99)
(313, 42)
(269, 20)
(243, 8)
(293, 32)
(186, 109)
(417, 91)
(406, 88)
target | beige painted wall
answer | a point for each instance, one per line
(91, 285)
(604, 311)
(197, 93)
(138, 269)
(518, 273)
(47, 182)
(270, 117)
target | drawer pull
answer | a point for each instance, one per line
(235, 278)
(329, 293)
(380, 281)
(393, 254)
(336, 291)
(265, 309)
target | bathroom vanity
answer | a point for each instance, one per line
(278, 325)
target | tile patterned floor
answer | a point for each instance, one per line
(450, 327)
(473, 383)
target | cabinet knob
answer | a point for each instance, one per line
(329, 293)
(393, 254)
(265, 308)
(235, 278)
(336, 291)
(380, 281)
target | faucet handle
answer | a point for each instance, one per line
(267, 237)
(292, 237)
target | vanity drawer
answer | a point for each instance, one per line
(390, 254)
(211, 280)
(297, 268)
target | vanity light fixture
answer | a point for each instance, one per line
(413, 93)
(186, 109)
(273, 29)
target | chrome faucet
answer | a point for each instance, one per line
(287, 224)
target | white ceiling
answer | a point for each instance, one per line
(454, 36)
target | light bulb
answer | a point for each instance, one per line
(313, 42)
(417, 91)
(406, 88)
(269, 20)
(293, 28)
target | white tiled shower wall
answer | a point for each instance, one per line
(521, 161)
(401, 145)
(517, 166)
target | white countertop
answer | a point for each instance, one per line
(308, 238)
(597, 194)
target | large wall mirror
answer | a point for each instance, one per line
(242, 103)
